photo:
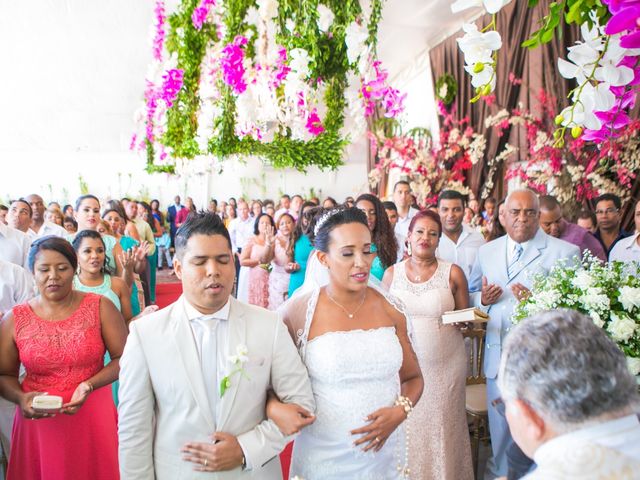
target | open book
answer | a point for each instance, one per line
(472, 314)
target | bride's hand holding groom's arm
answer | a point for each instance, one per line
(384, 421)
(290, 418)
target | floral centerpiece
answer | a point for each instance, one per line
(430, 168)
(608, 293)
(270, 78)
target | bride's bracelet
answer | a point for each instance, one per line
(405, 403)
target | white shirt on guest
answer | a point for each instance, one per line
(402, 229)
(50, 228)
(16, 286)
(240, 232)
(14, 246)
(626, 250)
(621, 435)
(464, 252)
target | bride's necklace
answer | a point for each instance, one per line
(350, 315)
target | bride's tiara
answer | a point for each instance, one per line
(323, 219)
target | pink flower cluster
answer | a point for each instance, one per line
(378, 90)
(314, 124)
(280, 70)
(171, 85)
(201, 12)
(158, 39)
(232, 65)
(625, 19)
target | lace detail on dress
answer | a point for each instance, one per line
(58, 355)
(303, 334)
(439, 279)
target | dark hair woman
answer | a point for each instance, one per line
(257, 254)
(383, 236)
(60, 337)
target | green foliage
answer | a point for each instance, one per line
(329, 63)
(446, 88)
(574, 11)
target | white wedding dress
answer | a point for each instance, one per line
(353, 374)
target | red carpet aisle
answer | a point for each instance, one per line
(166, 294)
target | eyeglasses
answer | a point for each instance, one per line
(529, 212)
(608, 211)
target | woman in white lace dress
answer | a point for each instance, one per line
(439, 447)
(364, 372)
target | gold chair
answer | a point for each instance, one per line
(476, 393)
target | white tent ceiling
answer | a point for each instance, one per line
(73, 70)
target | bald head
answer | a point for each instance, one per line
(37, 206)
(522, 212)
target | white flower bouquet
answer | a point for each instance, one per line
(609, 293)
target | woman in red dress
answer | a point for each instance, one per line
(60, 337)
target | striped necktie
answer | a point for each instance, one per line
(511, 269)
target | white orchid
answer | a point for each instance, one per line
(325, 18)
(241, 355)
(583, 58)
(608, 70)
(299, 62)
(268, 9)
(356, 40)
(587, 101)
(491, 6)
(478, 46)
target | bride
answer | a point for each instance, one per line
(364, 373)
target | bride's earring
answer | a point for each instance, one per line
(409, 249)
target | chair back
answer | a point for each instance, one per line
(476, 355)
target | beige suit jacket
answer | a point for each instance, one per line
(163, 402)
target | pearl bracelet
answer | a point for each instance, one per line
(405, 403)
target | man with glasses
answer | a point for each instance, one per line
(609, 215)
(501, 277)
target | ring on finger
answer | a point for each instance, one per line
(206, 462)
(377, 439)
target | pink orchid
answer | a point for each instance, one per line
(281, 70)
(314, 124)
(201, 12)
(158, 39)
(171, 85)
(232, 64)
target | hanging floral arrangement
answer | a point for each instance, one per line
(274, 79)
(446, 89)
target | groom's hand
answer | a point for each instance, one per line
(224, 453)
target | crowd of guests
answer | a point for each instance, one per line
(59, 264)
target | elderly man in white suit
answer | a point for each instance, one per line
(573, 420)
(500, 278)
(195, 376)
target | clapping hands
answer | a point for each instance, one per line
(491, 293)
(269, 236)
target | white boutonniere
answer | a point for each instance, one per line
(237, 361)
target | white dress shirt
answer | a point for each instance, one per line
(215, 325)
(626, 250)
(50, 228)
(464, 252)
(14, 246)
(240, 232)
(621, 435)
(402, 230)
(16, 286)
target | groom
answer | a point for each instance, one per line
(194, 376)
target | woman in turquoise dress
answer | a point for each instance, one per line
(302, 246)
(93, 277)
(382, 234)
